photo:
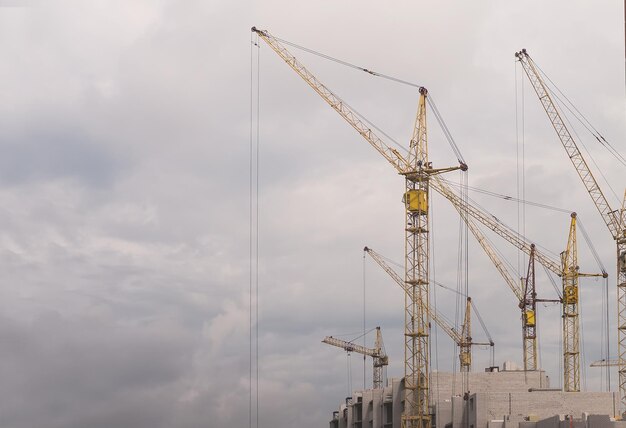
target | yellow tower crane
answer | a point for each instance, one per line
(418, 172)
(528, 305)
(571, 351)
(571, 373)
(377, 353)
(463, 338)
(615, 220)
(525, 301)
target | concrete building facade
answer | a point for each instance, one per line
(497, 399)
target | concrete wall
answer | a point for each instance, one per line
(536, 405)
(501, 400)
(444, 385)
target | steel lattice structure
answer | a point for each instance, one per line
(615, 220)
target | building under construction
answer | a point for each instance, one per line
(499, 399)
(520, 397)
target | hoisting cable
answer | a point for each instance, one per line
(520, 176)
(606, 332)
(254, 229)
(582, 345)
(364, 341)
(434, 293)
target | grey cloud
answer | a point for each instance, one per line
(52, 154)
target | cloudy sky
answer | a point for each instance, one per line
(125, 188)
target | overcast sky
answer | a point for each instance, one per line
(124, 196)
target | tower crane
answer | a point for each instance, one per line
(463, 338)
(418, 172)
(525, 301)
(571, 352)
(377, 353)
(615, 220)
(571, 373)
(528, 305)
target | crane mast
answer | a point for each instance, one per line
(571, 353)
(377, 353)
(528, 305)
(615, 220)
(418, 172)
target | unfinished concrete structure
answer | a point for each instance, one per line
(498, 399)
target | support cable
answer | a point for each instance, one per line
(604, 347)
(364, 341)
(250, 228)
(583, 353)
(581, 117)
(509, 198)
(591, 247)
(434, 292)
(556, 287)
(446, 131)
(519, 263)
(584, 146)
(256, 262)
(430, 100)
(616, 154)
(347, 64)
(608, 336)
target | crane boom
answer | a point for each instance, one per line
(377, 353)
(609, 216)
(495, 225)
(612, 362)
(351, 347)
(463, 339)
(391, 154)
